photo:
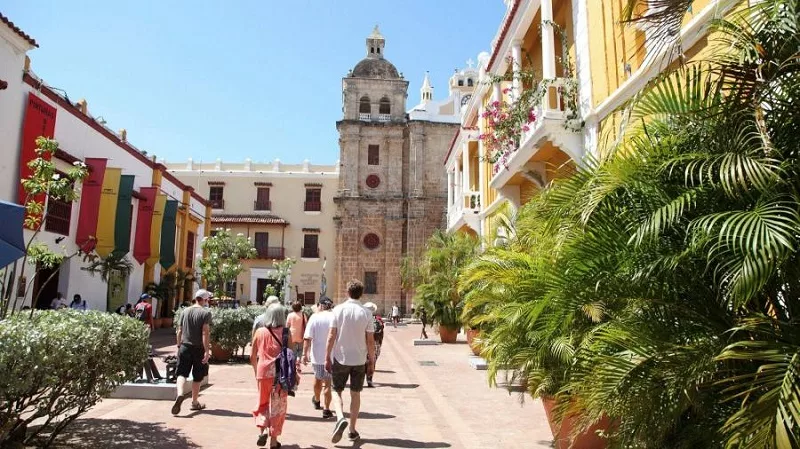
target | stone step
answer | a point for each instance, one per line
(422, 342)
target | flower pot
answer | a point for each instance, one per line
(157, 323)
(561, 431)
(448, 334)
(473, 344)
(166, 322)
(219, 353)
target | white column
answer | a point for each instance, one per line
(449, 189)
(548, 41)
(465, 163)
(516, 66)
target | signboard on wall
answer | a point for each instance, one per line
(40, 120)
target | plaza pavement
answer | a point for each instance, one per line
(446, 404)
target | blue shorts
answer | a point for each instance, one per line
(320, 373)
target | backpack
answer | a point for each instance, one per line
(141, 314)
(285, 365)
(378, 326)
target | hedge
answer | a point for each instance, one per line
(58, 364)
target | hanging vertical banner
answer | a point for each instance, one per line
(144, 220)
(122, 225)
(107, 214)
(168, 227)
(90, 203)
(40, 121)
(155, 228)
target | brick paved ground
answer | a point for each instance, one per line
(414, 406)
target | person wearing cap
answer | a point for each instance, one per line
(315, 336)
(194, 349)
(378, 333)
(144, 310)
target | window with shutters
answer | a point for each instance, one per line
(262, 199)
(311, 246)
(313, 201)
(189, 249)
(373, 155)
(215, 194)
(309, 298)
(262, 244)
(371, 282)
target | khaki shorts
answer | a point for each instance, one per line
(342, 372)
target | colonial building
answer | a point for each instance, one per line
(129, 206)
(392, 193)
(286, 210)
(586, 74)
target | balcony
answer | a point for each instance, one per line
(262, 205)
(464, 211)
(312, 206)
(551, 124)
(309, 253)
(365, 116)
(271, 252)
(217, 204)
(384, 118)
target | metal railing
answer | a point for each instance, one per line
(383, 118)
(310, 253)
(364, 116)
(312, 206)
(217, 204)
(262, 205)
(271, 252)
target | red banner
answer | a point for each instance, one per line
(92, 190)
(40, 120)
(144, 221)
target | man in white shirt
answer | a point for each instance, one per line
(316, 337)
(350, 353)
(58, 302)
(395, 315)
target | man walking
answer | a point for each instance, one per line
(395, 315)
(316, 337)
(350, 353)
(194, 350)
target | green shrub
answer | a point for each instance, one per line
(57, 365)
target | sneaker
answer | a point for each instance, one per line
(338, 430)
(316, 403)
(353, 436)
(369, 384)
(327, 414)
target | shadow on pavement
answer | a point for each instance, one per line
(399, 386)
(121, 433)
(397, 442)
(368, 415)
(216, 412)
(384, 371)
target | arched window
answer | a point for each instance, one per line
(385, 106)
(364, 106)
(372, 49)
(460, 82)
(469, 82)
(379, 50)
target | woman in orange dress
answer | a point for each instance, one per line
(270, 413)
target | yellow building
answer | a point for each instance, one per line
(586, 65)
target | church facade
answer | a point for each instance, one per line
(392, 193)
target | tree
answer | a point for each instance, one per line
(45, 180)
(283, 270)
(221, 263)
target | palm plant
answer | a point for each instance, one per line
(437, 274)
(660, 284)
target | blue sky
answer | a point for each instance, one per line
(235, 79)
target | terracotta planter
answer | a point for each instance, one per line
(448, 334)
(166, 322)
(220, 354)
(157, 323)
(561, 432)
(474, 345)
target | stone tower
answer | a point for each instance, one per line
(392, 188)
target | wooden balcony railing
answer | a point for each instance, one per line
(310, 253)
(262, 205)
(58, 216)
(217, 204)
(271, 252)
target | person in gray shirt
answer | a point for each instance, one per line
(194, 349)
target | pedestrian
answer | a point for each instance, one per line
(395, 315)
(412, 311)
(78, 303)
(259, 321)
(378, 326)
(423, 316)
(349, 353)
(316, 337)
(58, 302)
(144, 310)
(194, 349)
(296, 322)
(129, 310)
(270, 413)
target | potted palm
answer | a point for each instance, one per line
(437, 275)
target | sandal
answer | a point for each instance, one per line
(262, 440)
(197, 406)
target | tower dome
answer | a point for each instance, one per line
(374, 65)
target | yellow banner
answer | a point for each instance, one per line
(155, 229)
(107, 214)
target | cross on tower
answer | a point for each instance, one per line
(470, 62)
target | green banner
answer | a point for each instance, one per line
(168, 234)
(122, 225)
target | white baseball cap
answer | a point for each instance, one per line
(203, 293)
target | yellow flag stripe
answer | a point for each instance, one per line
(155, 229)
(107, 214)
